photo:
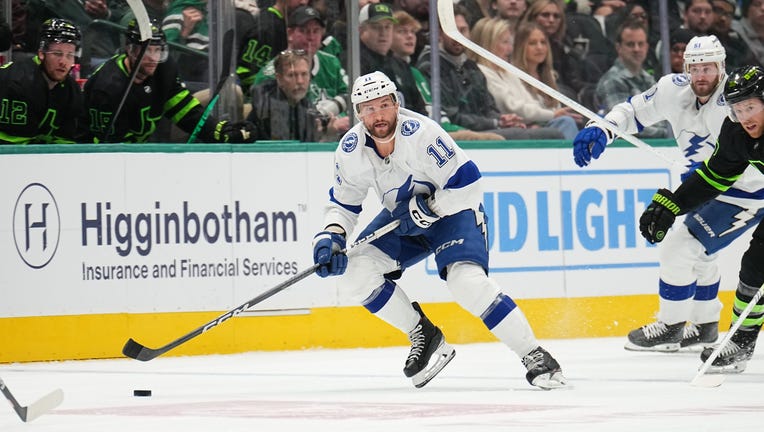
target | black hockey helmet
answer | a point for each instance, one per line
(743, 83)
(57, 30)
(133, 34)
(158, 38)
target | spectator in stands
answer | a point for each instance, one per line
(328, 86)
(376, 23)
(678, 43)
(420, 11)
(156, 91)
(580, 75)
(738, 53)
(751, 26)
(281, 109)
(586, 36)
(336, 42)
(627, 77)
(265, 40)
(46, 102)
(477, 9)
(464, 92)
(510, 10)
(699, 16)
(186, 24)
(601, 10)
(637, 11)
(532, 55)
(404, 45)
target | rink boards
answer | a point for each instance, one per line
(102, 243)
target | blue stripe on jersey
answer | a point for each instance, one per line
(499, 309)
(355, 209)
(379, 298)
(467, 174)
(737, 193)
(706, 292)
(639, 125)
(675, 292)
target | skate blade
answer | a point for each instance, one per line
(665, 348)
(732, 369)
(550, 381)
(440, 358)
(696, 348)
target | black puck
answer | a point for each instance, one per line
(141, 392)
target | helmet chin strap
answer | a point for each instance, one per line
(381, 141)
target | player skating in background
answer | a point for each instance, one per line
(739, 149)
(41, 102)
(157, 91)
(693, 104)
(428, 183)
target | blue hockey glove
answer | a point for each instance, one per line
(329, 253)
(415, 216)
(590, 142)
(659, 216)
(690, 169)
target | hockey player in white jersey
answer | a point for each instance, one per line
(693, 103)
(428, 183)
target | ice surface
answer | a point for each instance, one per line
(483, 389)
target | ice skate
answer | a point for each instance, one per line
(429, 351)
(698, 336)
(543, 370)
(657, 336)
(735, 355)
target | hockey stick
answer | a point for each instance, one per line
(448, 24)
(703, 380)
(36, 408)
(144, 27)
(141, 352)
(224, 74)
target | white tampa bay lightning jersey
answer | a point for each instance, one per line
(696, 127)
(425, 161)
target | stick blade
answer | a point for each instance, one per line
(137, 351)
(42, 405)
(707, 381)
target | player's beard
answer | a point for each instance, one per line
(706, 89)
(379, 133)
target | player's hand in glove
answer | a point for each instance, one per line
(415, 216)
(590, 142)
(234, 133)
(329, 253)
(659, 216)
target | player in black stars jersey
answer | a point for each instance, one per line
(740, 145)
(156, 91)
(40, 103)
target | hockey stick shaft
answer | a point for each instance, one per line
(144, 28)
(448, 24)
(736, 325)
(140, 352)
(224, 74)
(37, 408)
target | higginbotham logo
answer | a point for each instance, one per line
(36, 225)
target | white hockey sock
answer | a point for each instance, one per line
(513, 328)
(391, 304)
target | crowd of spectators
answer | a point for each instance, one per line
(292, 56)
